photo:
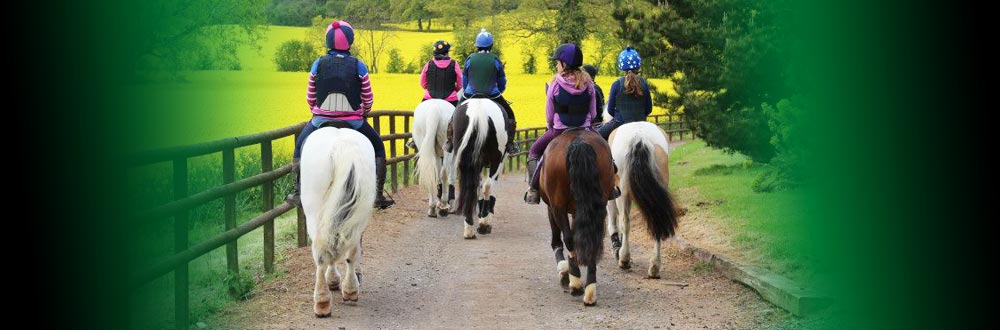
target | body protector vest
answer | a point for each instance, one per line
(482, 72)
(337, 85)
(572, 109)
(441, 82)
(631, 108)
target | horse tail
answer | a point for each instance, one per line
(428, 162)
(470, 164)
(588, 222)
(649, 191)
(346, 204)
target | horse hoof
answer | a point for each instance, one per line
(625, 264)
(483, 230)
(335, 286)
(589, 304)
(653, 277)
(323, 309)
(471, 237)
(576, 292)
(348, 297)
(443, 212)
(654, 272)
(432, 214)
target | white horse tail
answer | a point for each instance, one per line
(428, 162)
(338, 176)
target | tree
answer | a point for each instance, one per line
(571, 24)
(732, 59)
(292, 12)
(196, 34)
(413, 9)
(367, 17)
(461, 12)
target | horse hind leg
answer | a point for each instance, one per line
(487, 204)
(322, 306)
(443, 206)
(351, 286)
(616, 241)
(654, 261)
(590, 293)
(432, 201)
(562, 266)
(624, 256)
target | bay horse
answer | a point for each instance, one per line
(577, 177)
(478, 127)
(338, 190)
(430, 129)
(640, 150)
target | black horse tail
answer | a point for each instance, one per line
(588, 222)
(650, 193)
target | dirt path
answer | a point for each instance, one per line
(420, 274)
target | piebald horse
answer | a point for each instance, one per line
(577, 178)
(640, 152)
(338, 189)
(479, 130)
(430, 129)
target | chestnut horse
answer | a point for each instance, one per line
(577, 177)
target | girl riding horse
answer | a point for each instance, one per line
(340, 94)
(570, 102)
(441, 77)
(630, 100)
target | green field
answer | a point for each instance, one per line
(217, 104)
(760, 228)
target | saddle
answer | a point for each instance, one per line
(335, 123)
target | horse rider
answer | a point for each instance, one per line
(570, 102)
(340, 94)
(630, 99)
(485, 78)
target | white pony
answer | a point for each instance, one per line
(640, 152)
(430, 130)
(338, 189)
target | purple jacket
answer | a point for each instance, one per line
(567, 83)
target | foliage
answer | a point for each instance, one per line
(413, 10)
(571, 24)
(396, 64)
(529, 63)
(292, 12)
(784, 171)
(194, 35)
(366, 17)
(461, 13)
(240, 285)
(732, 57)
(295, 55)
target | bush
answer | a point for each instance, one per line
(414, 67)
(529, 63)
(295, 55)
(783, 172)
(396, 64)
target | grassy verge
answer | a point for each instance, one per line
(725, 214)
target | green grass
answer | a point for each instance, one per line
(762, 226)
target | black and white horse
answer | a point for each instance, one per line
(481, 137)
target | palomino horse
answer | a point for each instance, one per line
(478, 127)
(430, 130)
(640, 152)
(338, 189)
(577, 178)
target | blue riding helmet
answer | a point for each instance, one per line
(629, 59)
(484, 39)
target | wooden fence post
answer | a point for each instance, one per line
(228, 176)
(181, 298)
(267, 189)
